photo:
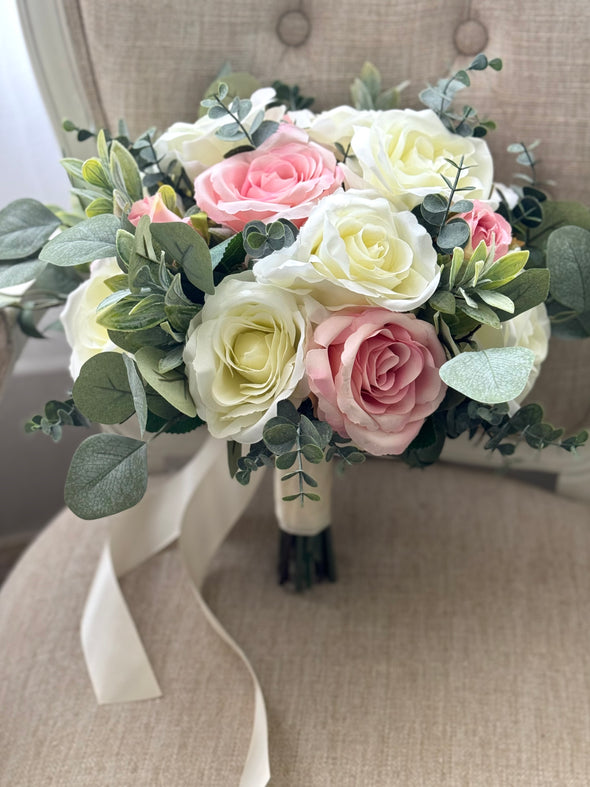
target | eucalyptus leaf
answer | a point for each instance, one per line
(455, 233)
(568, 261)
(102, 391)
(20, 273)
(87, 241)
(491, 376)
(25, 225)
(108, 474)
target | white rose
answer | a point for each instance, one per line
(338, 125)
(85, 336)
(403, 155)
(355, 249)
(245, 353)
(530, 329)
(197, 146)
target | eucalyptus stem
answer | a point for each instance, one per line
(236, 119)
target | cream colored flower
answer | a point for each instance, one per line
(244, 354)
(197, 146)
(355, 249)
(530, 329)
(85, 336)
(403, 155)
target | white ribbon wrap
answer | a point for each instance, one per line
(199, 505)
(312, 517)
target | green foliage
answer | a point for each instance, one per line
(102, 391)
(25, 225)
(172, 385)
(55, 416)
(426, 447)
(489, 376)
(366, 90)
(441, 96)
(89, 240)
(183, 245)
(261, 239)
(436, 208)
(228, 256)
(290, 97)
(485, 290)
(238, 83)
(237, 110)
(108, 474)
(568, 261)
(505, 432)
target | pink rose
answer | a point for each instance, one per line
(153, 207)
(283, 178)
(486, 225)
(375, 374)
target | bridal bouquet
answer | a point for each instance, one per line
(308, 287)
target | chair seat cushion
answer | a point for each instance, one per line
(454, 648)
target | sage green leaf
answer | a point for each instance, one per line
(505, 269)
(108, 474)
(481, 313)
(135, 340)
(527, 290)
(172, 360)
(234, 452)
(187, 247)
(25, 225)
(568, 261)
(173, 386)
(137, 392)
(443, 301)
(455, 233)
(19, 273)
(489, 376)
(134, 313)
(279, 435)
(102, 391)
(497, 300)
(125, 172)
(228, 255)
(178, 308)
(93, 172)
(89, 240)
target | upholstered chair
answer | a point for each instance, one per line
(454, 649)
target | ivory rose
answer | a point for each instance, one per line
(488, 226)
(375, 375)
(85, 336)
(356, 249)
(403, 155)
(245, 353)
(283, 178)
(197, 146)
(531, 329)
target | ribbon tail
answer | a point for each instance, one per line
(209, 518)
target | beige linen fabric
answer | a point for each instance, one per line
(453, 650)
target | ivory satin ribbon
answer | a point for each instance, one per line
(198, 505)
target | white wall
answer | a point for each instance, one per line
(32, 469)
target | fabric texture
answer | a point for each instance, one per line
(454, 648)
